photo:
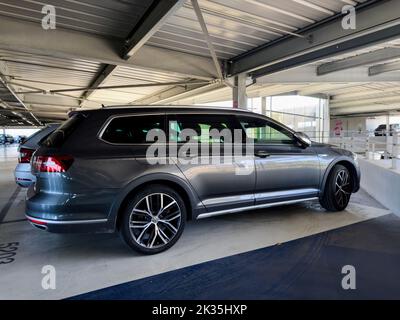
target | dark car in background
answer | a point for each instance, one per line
(381, 131)
(93, 173)
(6, 139)
(20, 139)
(22, 173)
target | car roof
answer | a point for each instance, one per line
(162, 109)
(123, 109)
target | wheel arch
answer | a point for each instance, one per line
(350, 165)
(185, 191)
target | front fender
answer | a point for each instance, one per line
(345, 160)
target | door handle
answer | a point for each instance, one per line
(261, 154)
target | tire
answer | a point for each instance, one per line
(154, 230)
(338, 189)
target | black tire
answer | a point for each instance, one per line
(160, 234)
(336, 197)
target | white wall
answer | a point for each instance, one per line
(381, 183)
(364, 123)
(356, 124)
(20, 132)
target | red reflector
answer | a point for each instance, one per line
(37, 222)
(52, 163)
(25, 155)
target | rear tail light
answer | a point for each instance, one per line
(25, 155)
(52, 163)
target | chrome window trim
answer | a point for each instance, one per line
(125, 115)
(195, 112)
(165, 115)
(275, 123)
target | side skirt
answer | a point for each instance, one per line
(260, 206)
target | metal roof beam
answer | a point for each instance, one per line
(175, 94)
(384, 68)
(152, 21)
(366, 108)
(307, 74)
(368, 101)
(28, 37)
(13, 98)
(100, 79)
(377, 21)
(366, 92)
(210, 45)
(166, 93)
(360, 60)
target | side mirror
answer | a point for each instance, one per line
(303, 139)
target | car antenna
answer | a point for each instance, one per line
(103, 106)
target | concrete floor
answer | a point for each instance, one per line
(84, 263)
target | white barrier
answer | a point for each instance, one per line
(374, 147)
(381, 183)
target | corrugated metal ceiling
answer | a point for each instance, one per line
(47, 73)
(236, 26)
(132, 76)
(113, 18)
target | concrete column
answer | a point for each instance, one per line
(264, 105)
(387, 136)
(239, 92)
(326, 114)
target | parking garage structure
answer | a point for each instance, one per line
(302, 63)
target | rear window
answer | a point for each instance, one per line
(35, 140)
(59, 136)
(132, 129)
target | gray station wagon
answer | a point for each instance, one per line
(93, 173)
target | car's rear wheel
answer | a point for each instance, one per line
(153, 220)
(338, 189)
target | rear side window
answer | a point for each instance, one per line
(59, 136)
(132, 129)
(201, 124)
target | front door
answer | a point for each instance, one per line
(285, 170)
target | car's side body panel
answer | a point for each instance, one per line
(90, 195)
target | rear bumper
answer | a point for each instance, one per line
(71, 226)
(70, 213)
(23, 175)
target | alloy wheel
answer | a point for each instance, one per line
(342, 188)
(155, 220)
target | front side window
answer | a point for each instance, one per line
(132, 129)
(264, 132)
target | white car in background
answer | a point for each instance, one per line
(22, 173)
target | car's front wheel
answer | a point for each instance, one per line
(338, 189)
(153, 220)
